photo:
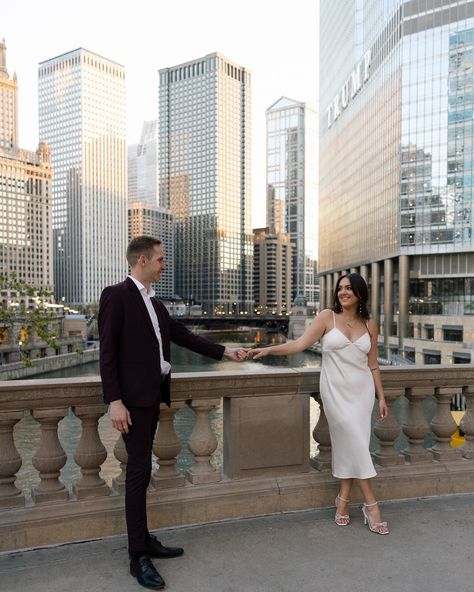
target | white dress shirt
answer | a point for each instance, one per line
(147, 295)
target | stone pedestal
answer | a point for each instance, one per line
(266, 436)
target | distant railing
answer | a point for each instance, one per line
(266, 433)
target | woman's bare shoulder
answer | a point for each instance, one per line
(372, 326)
(325, 314)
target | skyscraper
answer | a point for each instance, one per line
(152, 220)
(292, 197)
(82, 117)
(397, 168)
(204, 154)
(25, 196)
(143, 166)
(272, 272)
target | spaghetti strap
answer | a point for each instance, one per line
(334, 319)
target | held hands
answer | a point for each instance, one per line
(258, 352)
(120, 416)
(236, 354)
(240, 354)
(383, 410)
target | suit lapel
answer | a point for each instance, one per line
(141, 306)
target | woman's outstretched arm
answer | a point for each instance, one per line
(312, 334)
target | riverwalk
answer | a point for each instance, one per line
(429, 549)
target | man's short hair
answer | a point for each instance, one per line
(141, 245)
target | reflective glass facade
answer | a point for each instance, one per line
(82, 118)
(204, 156)
(143, 166)
(292, 200)
(359, 133)
(437, 138)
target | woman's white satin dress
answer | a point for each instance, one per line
(348, 395)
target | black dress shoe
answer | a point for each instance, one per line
(155, 549)
(143, 569)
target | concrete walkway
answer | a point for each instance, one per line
(430, 549)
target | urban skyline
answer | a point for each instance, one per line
(129, 35)
(85, 130)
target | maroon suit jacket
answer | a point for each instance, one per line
(129, 350)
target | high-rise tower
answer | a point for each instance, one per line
(292, 198)
(25, 195)
(143, 166)
(82, 117)
(204, 155)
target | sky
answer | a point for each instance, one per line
(276, 39)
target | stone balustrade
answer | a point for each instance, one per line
(266, 434)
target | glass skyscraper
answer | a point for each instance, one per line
(292, 199)
(143, 166)
(204, 156)
(397, 167)
(82, 118)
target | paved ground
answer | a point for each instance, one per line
(430, 549)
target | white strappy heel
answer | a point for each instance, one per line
(377, 527)
(342, 519)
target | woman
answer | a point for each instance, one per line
(350, 377)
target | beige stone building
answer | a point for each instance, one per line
(25, 195)
(272, 272)
(146, 218)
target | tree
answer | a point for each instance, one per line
(27, 311)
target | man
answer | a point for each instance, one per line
(135, 332)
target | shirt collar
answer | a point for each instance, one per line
(142, 288)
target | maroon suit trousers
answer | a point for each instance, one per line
(139, 444)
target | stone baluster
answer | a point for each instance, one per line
(387, 431)
(166, 447)
(50, 457)
(90, 453)
(443, 426)
(322, 462)
(416, 427)
(467, 423)
(120, 453)
(10, 461)
(203, 443)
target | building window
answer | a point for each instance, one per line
(429, 331)
(461, 358)
(452, 333)
(431, 357)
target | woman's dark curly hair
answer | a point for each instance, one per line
(359, 287)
